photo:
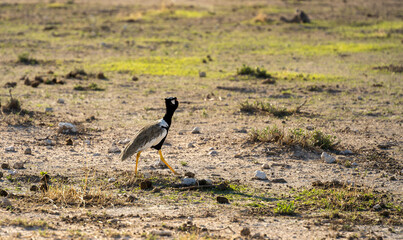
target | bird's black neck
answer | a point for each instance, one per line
(168, 117)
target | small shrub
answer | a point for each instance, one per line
(24, 58)
(92, 86)
(284, 208)
(265, 107)
(254, 72)
(323, 141)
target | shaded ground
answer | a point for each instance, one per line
(112, 64)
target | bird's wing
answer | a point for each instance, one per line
(148, 136)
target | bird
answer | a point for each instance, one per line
(152, 135)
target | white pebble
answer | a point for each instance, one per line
(196, 130)
(10, 149)
(327, 158)
(212, 153)
(260, 175)
(67, 127)
(189, 181)
(60, 100)
(265, 166)
(111, 180)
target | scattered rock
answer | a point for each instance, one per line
(77, 74)
(28, 151)
(260, 175)
(269, 81)
(10, 85)
(393, 178)
(65, 127)
(202, 74)
(114, 149)
(310, 128)
(346, 152)
(327, 158)
(12, 172)
(189, 181)
(190, 145)
(5, 203)
(69, 142)
(189, 174)
(111, 180)
(196, 130)
(134, 78)
(161, 233)
(48, 142)
(102, 76)
(60, 100)
(5, 166)
(360, 98)
(3, 193)
(10, 149)
(265, 166)
(131, 198)
(18, 165)
(146, 184)
(354, 164)
(48, 109)
(212, 153)
(257, 236)
(34, 188)
(90, 119)
(377, 207)
(245, 232)
(88, 142)
(125, 141)
(278, 180)
(222, 200)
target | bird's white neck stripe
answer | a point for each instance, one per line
(163, 123)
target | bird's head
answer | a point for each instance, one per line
(171, 103)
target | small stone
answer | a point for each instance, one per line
(48, 109)
(5, 203)
(18, 165)
(354, 164)
(360, 98)
(114, 149)
(346, 152)
(161, 233)
(131, 198)
(245, 232)
(88, 142)
(60, 100)
(12, 172)
(5, 166)
(212, 153)
(28, 151)
(67, 128)
(3, 193)
(202, 74)
(134, 78)
(393, 178)
(260, 175)
(189, 174)
(124, 141)
(188, 181)
(160, 164)
(257, 235)
(34, 188)
(377, 207)
(327, 158)
(278, 180)
(310, 128)
(111, 180)
(96, 154)
(209, 181)
(191, 145)
(69, 142)
(101, 75)
(48, 142)
(222, 200)
(146, 184)
(196, 130)
(10, 149)
(265, 166)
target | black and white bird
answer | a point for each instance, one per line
(152, 135)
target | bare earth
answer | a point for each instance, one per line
(343, 71)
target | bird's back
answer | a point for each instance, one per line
(148, 136)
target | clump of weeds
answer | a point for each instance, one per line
(253, 72)
(24, 58)
(297, 136)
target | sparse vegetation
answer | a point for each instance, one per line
(24, 58)
(295, 136)
(253, 72)
(265, 107)
(285, 208)
(92, 87)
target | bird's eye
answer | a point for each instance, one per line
(173, 101)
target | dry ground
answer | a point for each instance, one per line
(342, 71)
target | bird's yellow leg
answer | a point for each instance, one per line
(137, 162)
(163, 160)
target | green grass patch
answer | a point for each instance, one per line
(285, 208)
(162, 66)
(24, 58)
(90, 87)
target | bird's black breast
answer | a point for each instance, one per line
(159, 145)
